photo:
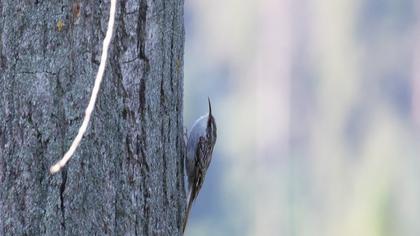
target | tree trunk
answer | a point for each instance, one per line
(126, 177)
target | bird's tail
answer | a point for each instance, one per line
(187, 212)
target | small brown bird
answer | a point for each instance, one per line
(200, 144)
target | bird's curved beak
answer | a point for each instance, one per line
(209, 106)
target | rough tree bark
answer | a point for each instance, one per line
(126, 177)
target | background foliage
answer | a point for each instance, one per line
(318, 111)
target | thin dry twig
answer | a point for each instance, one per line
(60, 164)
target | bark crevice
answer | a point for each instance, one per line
(62, 205)
(142, 34)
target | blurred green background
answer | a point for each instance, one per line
(318, 110)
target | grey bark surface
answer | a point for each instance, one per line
(126, 177)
